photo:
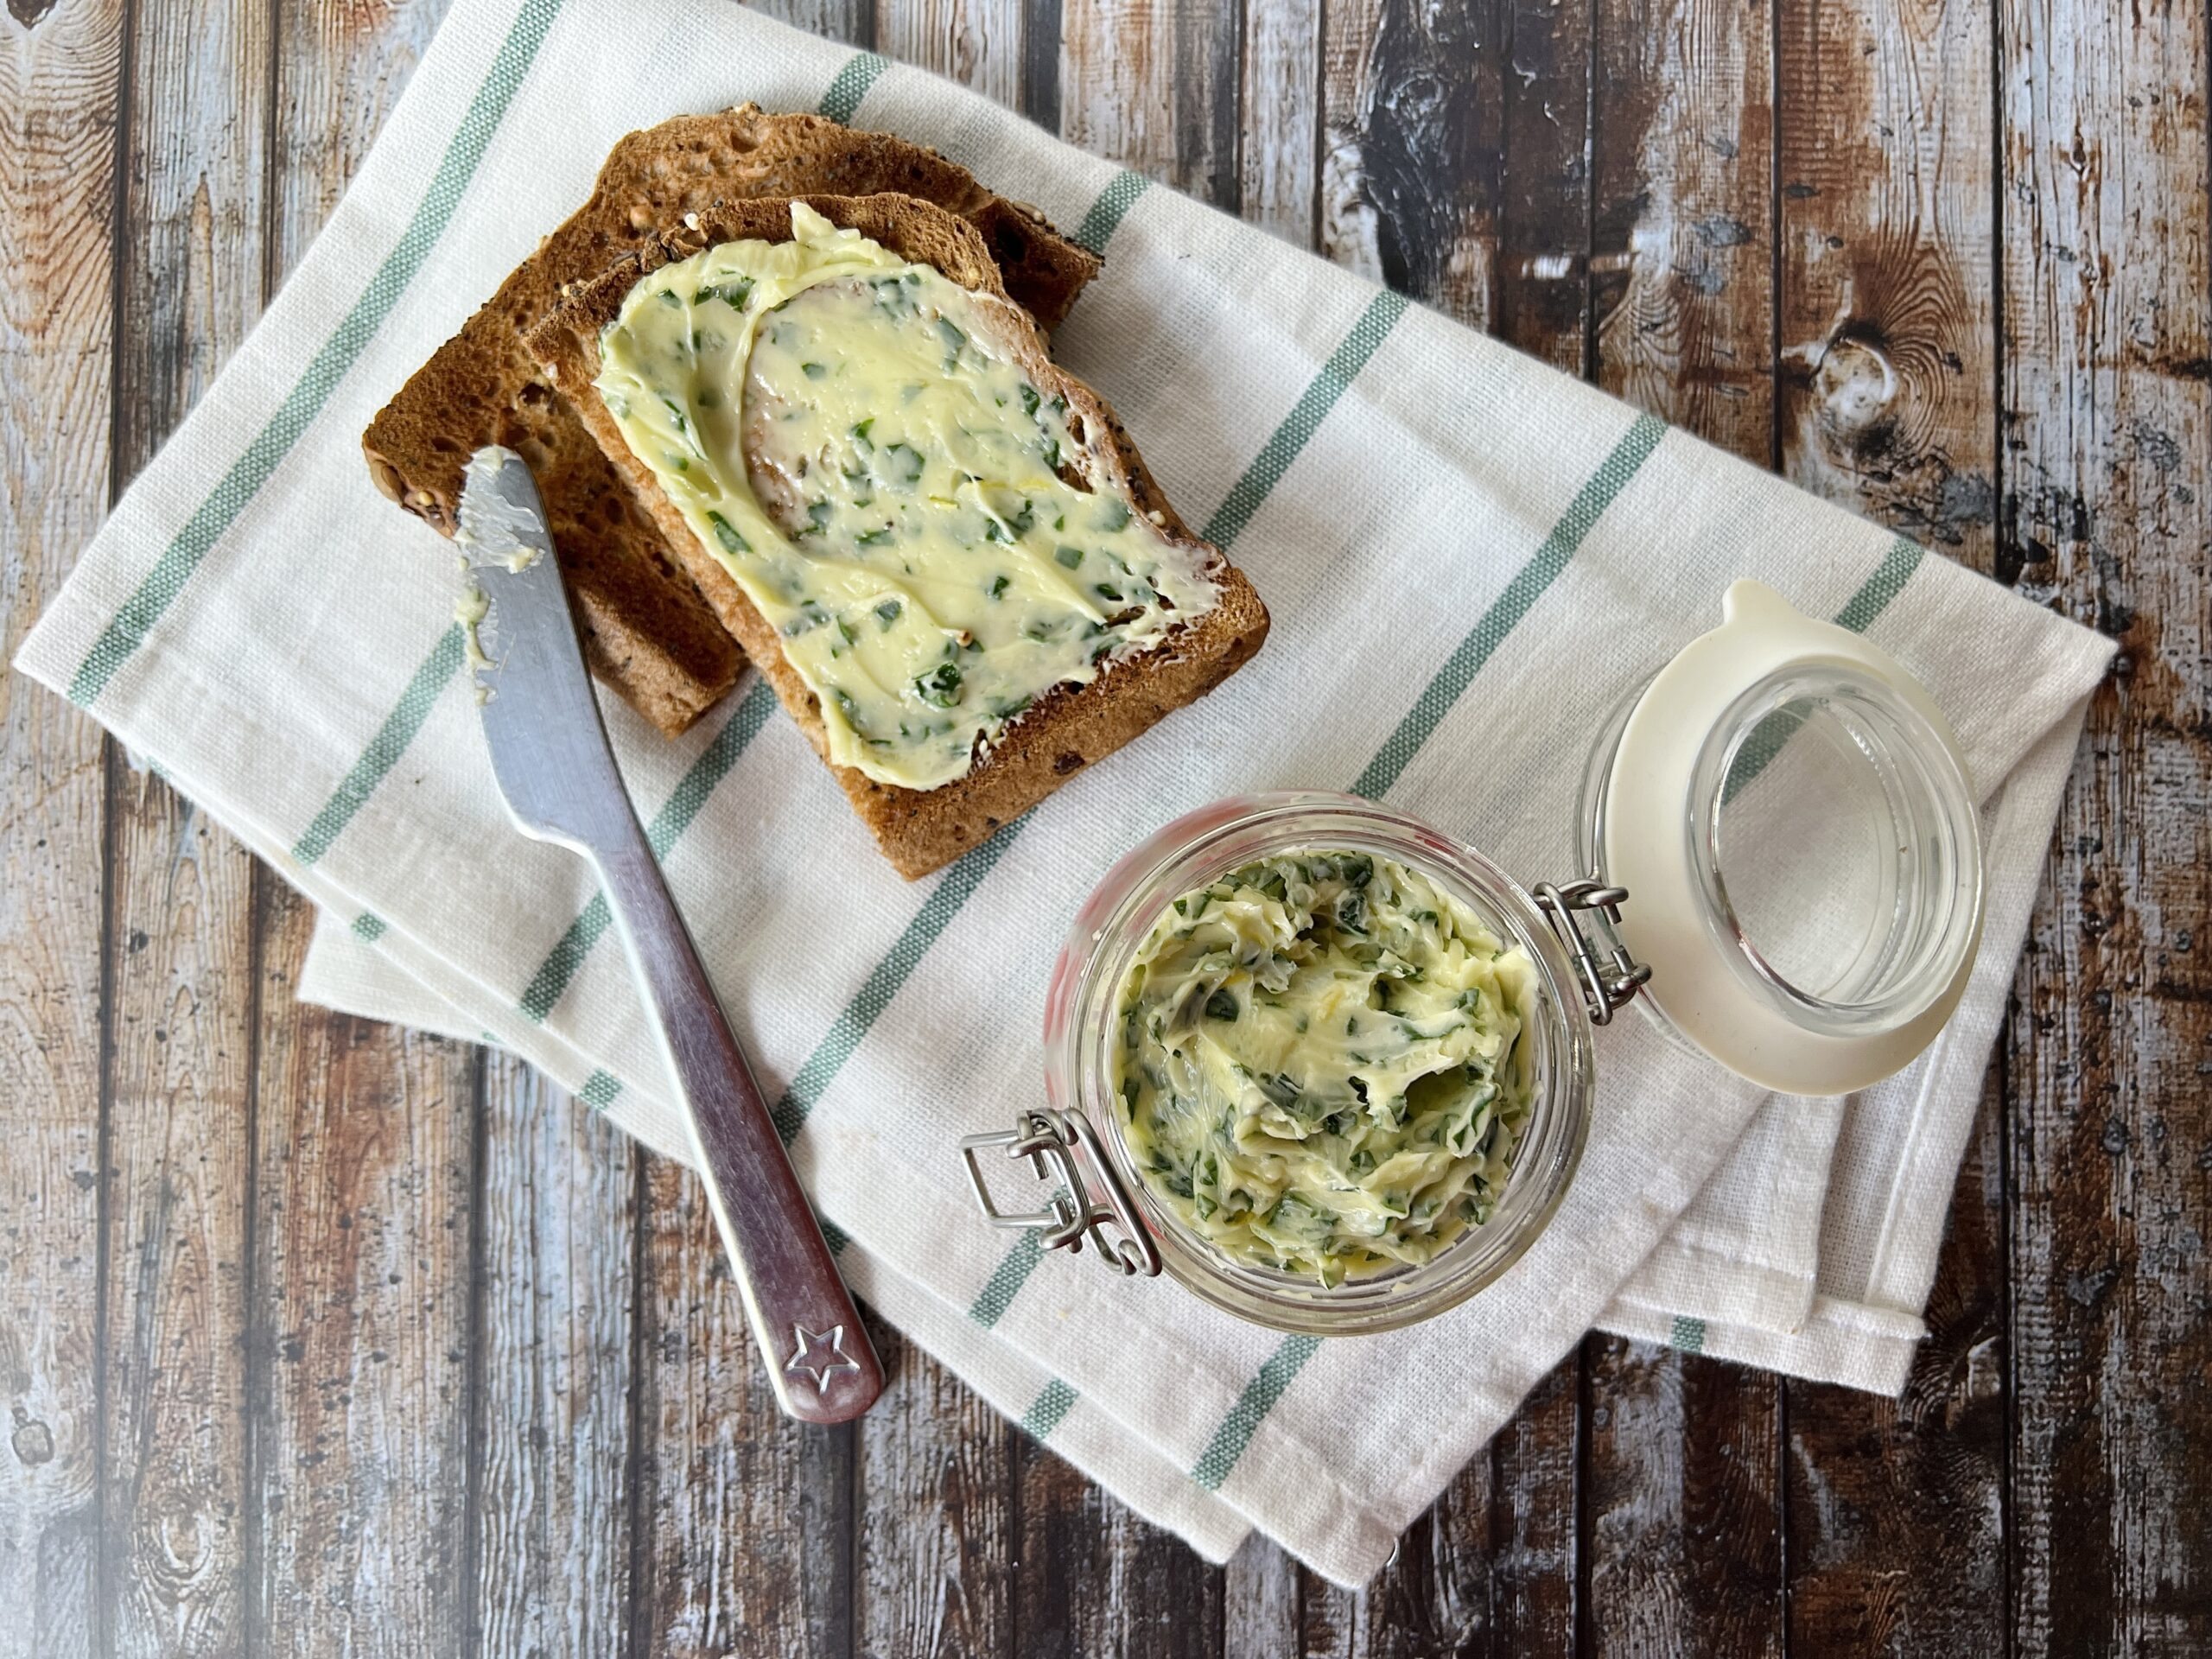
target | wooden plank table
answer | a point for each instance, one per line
(317, 1336)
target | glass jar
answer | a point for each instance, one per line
(1796, 823)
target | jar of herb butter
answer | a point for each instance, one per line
(1332, 1069)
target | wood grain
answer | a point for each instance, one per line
(1152, 84)
(1491, 1568)
(180, 934)
(1888, 325)
(551, 1447)
(743, 1528)
(340, 67)
(1350, 229)
(1896, 1509)
(1543, 271)
(1683, 1495)
(1684, 1537)
(364, 1183)
(936, 1520)
(2106, 428)
(1261, 1613)
(1888, 322)
(367, 1139)
(1096, 1580)
(1414, 105)
(61, 73)
(976, 42)
(1280, 97)
(1683, 219)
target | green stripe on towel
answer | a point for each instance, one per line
(1053, 1402)
(368, 928)
(384, 749)
(570, 951)
(1005, 1284)
(1107, 212)
(843, 98)
(239, 486)
(1251, 1410)
(1506, 611)
(1689, 1335)
(882, 984)
(1305, 418)
(599, 1090)
(1875, 593)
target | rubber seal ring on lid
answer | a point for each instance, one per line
(1701, 735)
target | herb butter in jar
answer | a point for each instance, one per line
(1378, 1167)
(1319, 1063)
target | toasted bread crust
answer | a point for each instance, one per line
(1070, 727)
(648, 631)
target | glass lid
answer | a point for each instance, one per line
(1794, 825)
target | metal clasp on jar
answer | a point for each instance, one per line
(1610, 982)
(1063, 1146)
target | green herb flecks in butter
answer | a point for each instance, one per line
(843, 431)
(1320, 1065)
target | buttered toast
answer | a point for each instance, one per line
(648, 631)
(941, 549)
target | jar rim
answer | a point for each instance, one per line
(1206, 844)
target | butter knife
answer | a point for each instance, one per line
(551, 755)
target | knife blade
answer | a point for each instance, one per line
(558, 774)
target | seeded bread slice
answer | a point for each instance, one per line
(647, 631)
(1065, 730)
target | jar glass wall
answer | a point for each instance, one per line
(1200, 849)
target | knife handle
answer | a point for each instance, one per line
(819, 1360)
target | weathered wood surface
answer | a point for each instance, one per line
(175, 1520)
(60, 118)
(315, 1336)
(2103, 395)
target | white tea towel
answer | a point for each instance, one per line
(1469, 558)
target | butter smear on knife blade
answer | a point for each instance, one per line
(489, 525)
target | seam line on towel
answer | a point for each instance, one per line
(842, 100)
(129, 628)
(570, 951)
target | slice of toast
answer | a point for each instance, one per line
(1070, 726)
(647, 631)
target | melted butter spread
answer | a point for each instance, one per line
(1320, 1063)
(838, 428)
